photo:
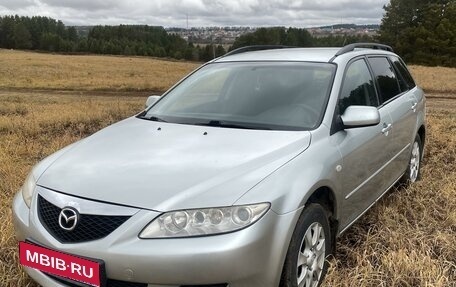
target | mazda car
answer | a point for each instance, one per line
(244, 173)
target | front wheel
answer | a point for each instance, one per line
(305, 264)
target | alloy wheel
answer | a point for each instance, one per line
(311, 257)
(415, 162)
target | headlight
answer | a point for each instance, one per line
(28, 188)
(199, 222)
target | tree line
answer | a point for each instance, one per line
(295, 37)
(421, 31)
(47, 34)
(36, 33)
(424, 35)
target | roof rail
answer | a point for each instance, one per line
(255, 48)
(352, 47)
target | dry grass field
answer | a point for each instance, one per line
(25, 70)
(407, 239)
(439, 80)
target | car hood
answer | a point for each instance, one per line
(164, 166)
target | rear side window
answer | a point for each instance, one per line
(358, 87)
(407, 81)
(386, 78)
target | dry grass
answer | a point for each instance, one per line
(29, 70)
(32, 126)
(435, 79)
(407, 239)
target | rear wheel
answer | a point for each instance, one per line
(412, 173)
(305, 264)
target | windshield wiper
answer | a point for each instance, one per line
(225, 124)
(153, 118)
(157, 119)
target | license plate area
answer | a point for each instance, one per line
(88, 271)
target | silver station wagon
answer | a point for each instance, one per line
(242, 174)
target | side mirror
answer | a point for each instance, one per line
(151, 100)
(360, 116)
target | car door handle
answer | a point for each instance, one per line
(386, 128)
(414, 106)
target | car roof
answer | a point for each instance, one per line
(290, 54)
(297, 54)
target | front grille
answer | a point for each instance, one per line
(89, 227)
(109, 283)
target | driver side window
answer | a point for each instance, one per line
(358, 87)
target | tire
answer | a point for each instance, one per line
(413, 172)
(312, 258)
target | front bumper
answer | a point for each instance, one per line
(251, 257)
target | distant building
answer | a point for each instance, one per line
(227, 35)
(208, 35)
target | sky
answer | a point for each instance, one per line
(173, 13)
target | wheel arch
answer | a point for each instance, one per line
(326, 197)
(422, 134)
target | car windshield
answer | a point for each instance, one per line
(256, 95)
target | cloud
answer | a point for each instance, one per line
(15, 4)
(299, 13)
(82, 5)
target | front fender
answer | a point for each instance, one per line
(289, 187)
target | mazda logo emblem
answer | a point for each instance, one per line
(68, 218)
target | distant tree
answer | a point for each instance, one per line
(275, 36)
(272, 36)
(244, 40)
(189, 53)
(93, 46)
(65, 45)
(219, 51)
(37, 33)
(341, 40)
(7, 27)
(160, 51)
(49, 42)
(82, 45)
(140, 40)
(423, 32)
(22, 37)
(61, 30)
(72, 34)
(207, 53)
(298, 37)
(127, 50)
